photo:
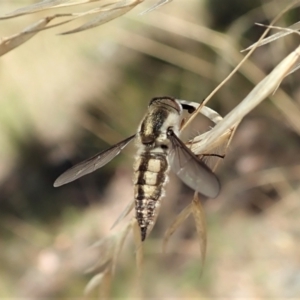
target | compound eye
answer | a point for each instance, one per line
(170, 131)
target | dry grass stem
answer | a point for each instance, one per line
(139, 257)
(109, 249)
(180, 218)
(200, 223)
(53, 4)
(95, 282)
(124, 214)
(255, 97)
(283, 32)
(155, 6)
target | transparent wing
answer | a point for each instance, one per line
(92, 164)
(191, 170)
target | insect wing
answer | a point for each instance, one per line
(191, 170)
(90, 165)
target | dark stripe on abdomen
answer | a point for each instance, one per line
(149, 179)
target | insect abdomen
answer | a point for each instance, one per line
(150, 174)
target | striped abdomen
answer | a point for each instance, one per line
(150, 174)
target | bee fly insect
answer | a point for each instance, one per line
(159, 149)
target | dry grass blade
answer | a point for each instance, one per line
(221, 144)
(104, 9)
(222, 141)
(180, 218)
(199, 217)
(48, 4)
(138, 246)
(121, 240)
(274, 37)
(204, 110)
(9, 43)
(106, 284)
(288, 31)
(139, 257)
(155, 6)
(51, 4)
(297, 67)
(109, 249)
(105, 16)
(106, 13)
(105, 247)
(93, 283)
(255, 97)
(211, 114)
(125, 213)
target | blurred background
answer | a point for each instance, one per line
(65, 98)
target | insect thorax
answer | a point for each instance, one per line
(154, 126)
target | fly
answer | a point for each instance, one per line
(159, 149)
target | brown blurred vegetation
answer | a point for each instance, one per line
(64, 98)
